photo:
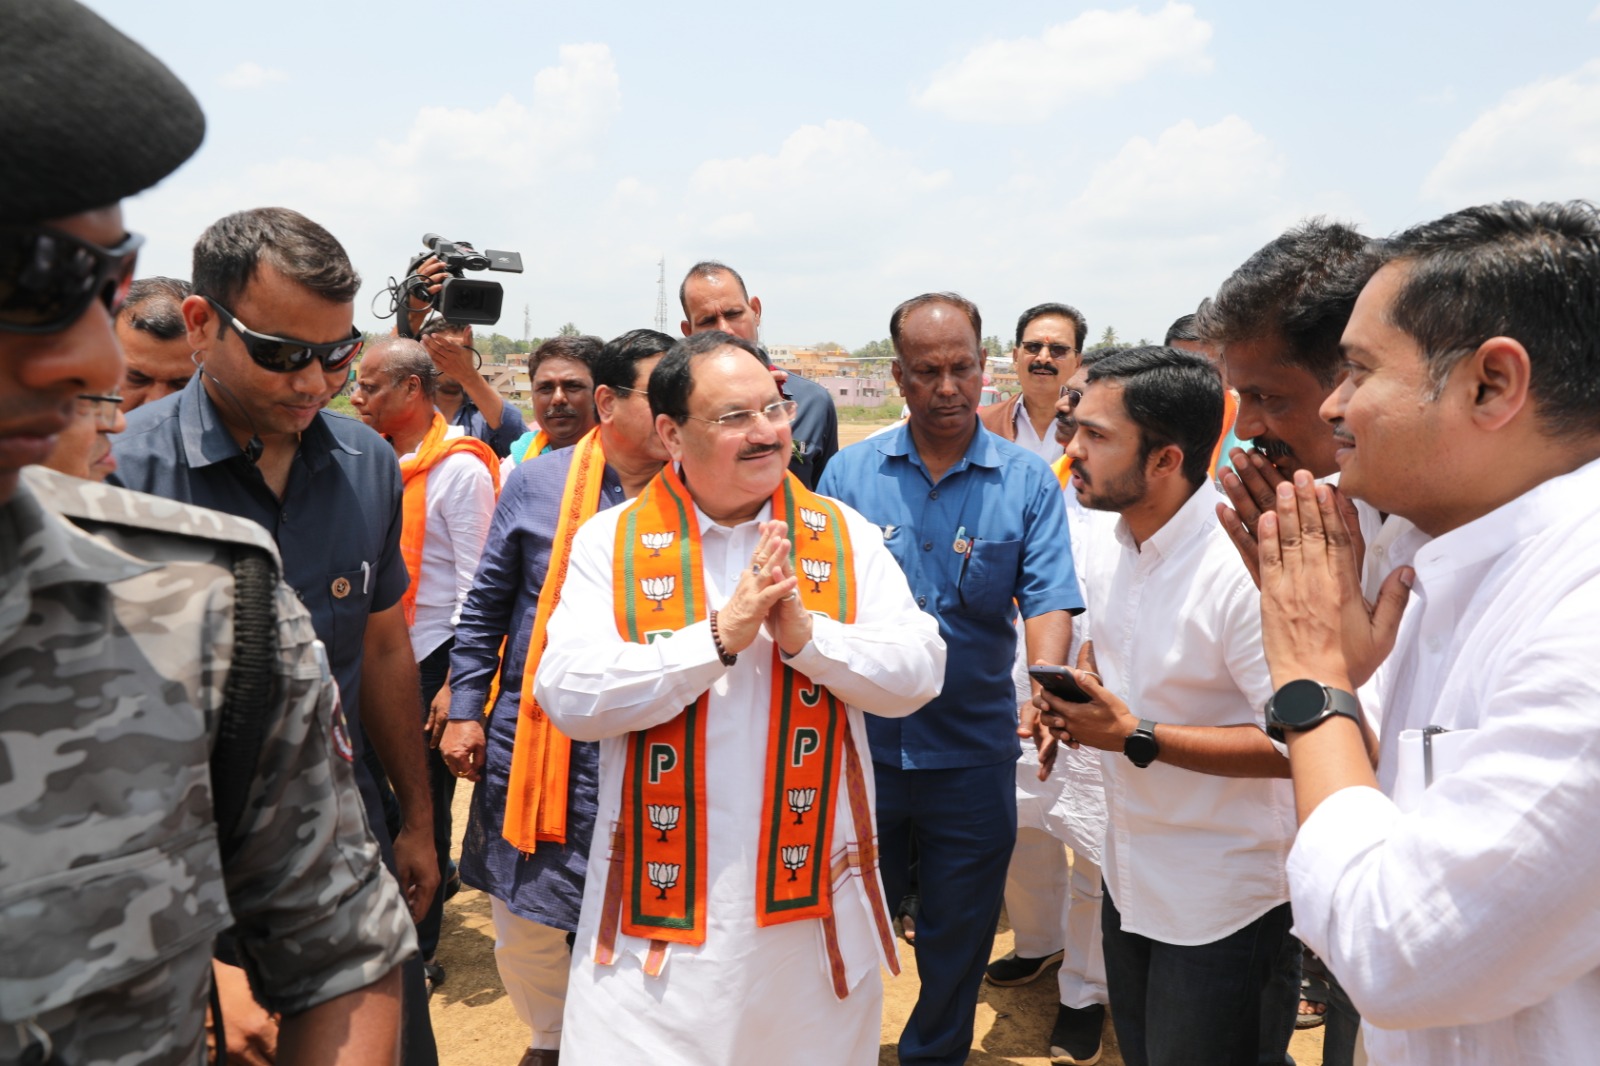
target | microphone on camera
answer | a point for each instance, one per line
(253, 447)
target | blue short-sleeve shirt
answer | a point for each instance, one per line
(989, 538)
(501, 438)
(337, 526)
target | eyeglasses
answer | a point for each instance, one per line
(631, 392)
(1075, 395)
(103, 409)
(1057, 351)
(285, 355)
(776, 414)
(49, 278)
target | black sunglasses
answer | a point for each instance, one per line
(49, 278)
(284, 355)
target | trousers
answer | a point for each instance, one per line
(964, 822)
(1190, 1005)
(534, 961)
(1054, 907)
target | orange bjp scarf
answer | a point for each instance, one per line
(660, 589)
(414, 503)
(541, 755)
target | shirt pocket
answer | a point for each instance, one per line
(988, 578)
(339, 607)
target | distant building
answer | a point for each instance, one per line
(854, 391)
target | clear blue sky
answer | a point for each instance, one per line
(845, 156)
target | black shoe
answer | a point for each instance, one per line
(433, 974)
(1076, 1036)
(1014, 969)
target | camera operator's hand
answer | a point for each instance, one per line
(435, 274)
(453, 360)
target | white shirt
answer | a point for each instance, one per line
(1467, 930)
(1046, 448)
(1074, 786)
(1189, 857)
(595, 686)
(460, 503)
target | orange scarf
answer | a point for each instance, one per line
(660, 589)
(414, 503)
(1062, 468)
(541, 756)
(1230, 412)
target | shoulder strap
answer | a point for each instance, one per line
(250, 693)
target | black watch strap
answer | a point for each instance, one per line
(1141, 746)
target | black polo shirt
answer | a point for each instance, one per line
(337, 526)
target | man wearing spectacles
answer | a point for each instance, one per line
(271, 324)
(1050, 339)
(154, 340)
(117, 668)
(760, 931)
(977, 525)
(83, 449)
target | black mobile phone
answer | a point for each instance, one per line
(1058, 681)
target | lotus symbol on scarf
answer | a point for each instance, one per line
(663, 818)
(658, 589)
(656, 541)
(818, 570)
(664, 875)
(801, 800)
(816, 521)
(794, 857)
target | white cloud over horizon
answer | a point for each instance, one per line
(253, 76)
(1028, 79)
(1540, 141)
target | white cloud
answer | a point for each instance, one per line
(1594, 16)
(1026, 79)
(1213, 175)
(253, 76)
(822, 179)
(1541, 141)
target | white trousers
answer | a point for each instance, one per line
(1054, 907)
(534, 962)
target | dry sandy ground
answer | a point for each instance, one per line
(476, 1026)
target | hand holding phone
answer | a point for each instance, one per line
(1059, 681)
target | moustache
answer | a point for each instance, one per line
(754, 451)
(1043, 368)
(1077, 468)
(1271, 448)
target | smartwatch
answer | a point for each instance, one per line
(1141, 746)
(1303, 704)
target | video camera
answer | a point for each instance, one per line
(462, 300)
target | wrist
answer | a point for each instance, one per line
(727, 655)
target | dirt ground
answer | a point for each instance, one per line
(475, 1025)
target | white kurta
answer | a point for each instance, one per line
(460, 503)
(1466, 927)
(748, 994)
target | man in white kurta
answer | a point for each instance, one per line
(1454, 891)
(748, 993)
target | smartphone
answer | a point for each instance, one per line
(1058, 681)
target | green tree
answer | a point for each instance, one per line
(997, 349)
(875, 351)
(569, 330)
(1108, 339)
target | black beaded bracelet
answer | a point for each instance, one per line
(728, 658)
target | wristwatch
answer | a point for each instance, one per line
(1141, 746)
(1303, 704)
